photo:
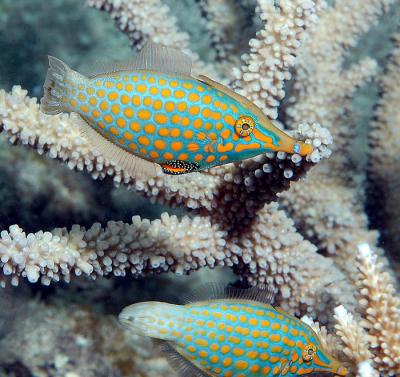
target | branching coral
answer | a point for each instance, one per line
(336, 221)
(230, 198)
(375, 338)
(247, 235)
(272, 53)
(142, 20)
(232, 219)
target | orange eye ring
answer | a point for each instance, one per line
(308, 352)
(244, 126)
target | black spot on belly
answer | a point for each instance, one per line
(176, 167)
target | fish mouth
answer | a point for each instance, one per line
(125, 319)
(333, 366)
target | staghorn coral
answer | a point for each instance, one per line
(142, 20)
(233, 196)
(261, 78)
(232, 220)
(336, 222)
(228, 198)
(375, 337)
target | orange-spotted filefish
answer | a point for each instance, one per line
(152, 110)
(233, 333)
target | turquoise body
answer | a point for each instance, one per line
(234, 338)
(160, 117)
(237, 339)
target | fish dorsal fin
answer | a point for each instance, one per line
(178, 362)
(152, 57)
(216, 291)
(135, 166)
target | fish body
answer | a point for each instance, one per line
(180, 122)
(233, 338)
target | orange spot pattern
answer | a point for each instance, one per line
(228, 339)
(148, 113)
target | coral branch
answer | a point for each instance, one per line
(250, 184)
(381, 310)
(271, 252)
(141, 247)
(323, 86)
(353, 336)
(150, 19)
(272, 53)
(372, 345)
(330, 212)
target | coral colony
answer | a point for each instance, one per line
(308, 238)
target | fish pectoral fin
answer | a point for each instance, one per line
(135, 166)
(179, 362)
(177, 167)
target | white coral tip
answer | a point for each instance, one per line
(365, 369)
(341, 313)
(307, 320)
(364, 249)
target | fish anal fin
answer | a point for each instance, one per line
(177, 167)
(217, 291)
(179, 362)
(152, 57)
(135, 166)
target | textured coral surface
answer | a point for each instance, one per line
(298, 224)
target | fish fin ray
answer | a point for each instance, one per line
(135, 166)
(183, 366)
(216, 291)
(152, 57)
(54, 86)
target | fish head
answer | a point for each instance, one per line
(256, 134)
(316, 359)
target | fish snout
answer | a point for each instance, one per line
(302, 149)
(341, 371)
(125, 318)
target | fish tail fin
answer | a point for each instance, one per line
(154, 319)
(55, 87)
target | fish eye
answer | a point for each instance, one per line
(308, 352)
(244, 126)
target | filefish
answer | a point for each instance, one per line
(232, 333)
(152, 110)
